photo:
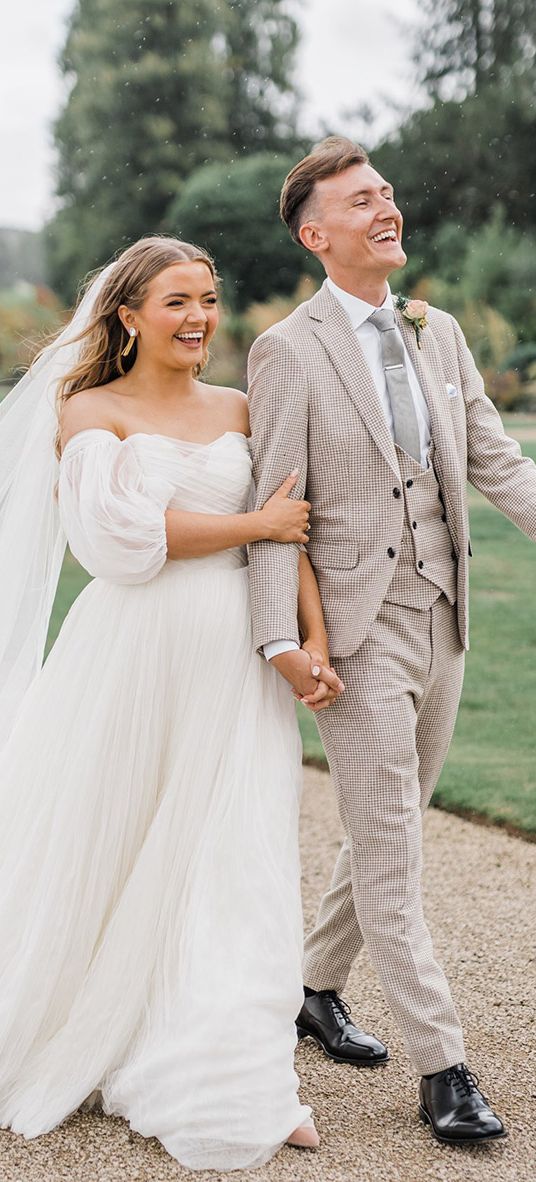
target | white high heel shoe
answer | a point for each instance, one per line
(305, 1136)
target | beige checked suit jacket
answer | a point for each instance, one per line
(314, 406)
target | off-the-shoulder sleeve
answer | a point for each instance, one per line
(112, 512)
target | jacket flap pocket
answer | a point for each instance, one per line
(329, 552)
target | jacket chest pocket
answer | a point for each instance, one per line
(459, 425)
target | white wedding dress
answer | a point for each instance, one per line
(150, 919)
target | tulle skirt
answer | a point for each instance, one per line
(150, 918)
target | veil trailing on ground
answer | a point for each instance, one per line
(32, 542)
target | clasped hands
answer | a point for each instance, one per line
(314, 683)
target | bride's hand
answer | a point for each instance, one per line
(286, 520)
(329, 686)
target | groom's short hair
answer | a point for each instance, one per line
(333, 155)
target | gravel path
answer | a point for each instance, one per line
(480, 899)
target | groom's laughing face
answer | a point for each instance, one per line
(353, 221)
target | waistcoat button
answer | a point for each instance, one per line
(420, 564)
(409, 483)
(414, 525)
(396, 493)
(390, 552)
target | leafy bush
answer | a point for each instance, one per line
(27, 315)
(500, 270)
(232, 209)
(238, 330)
(505, 389)
(494, 266)
(522, 358)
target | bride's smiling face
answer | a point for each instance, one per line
(178, 317)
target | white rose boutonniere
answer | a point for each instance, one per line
(416, 311)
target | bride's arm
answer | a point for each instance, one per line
(192, 535)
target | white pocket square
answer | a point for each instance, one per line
(451, 391)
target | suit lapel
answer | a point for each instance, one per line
(332, 326)
(427, 365)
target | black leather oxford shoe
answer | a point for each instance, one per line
(325, 1017)
(450, 1101)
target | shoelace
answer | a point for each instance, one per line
(340, 1008)
(463, 1080)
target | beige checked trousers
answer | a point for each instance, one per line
(386, 739)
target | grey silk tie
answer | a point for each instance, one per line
(405, 423)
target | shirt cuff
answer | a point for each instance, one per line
(275, 647)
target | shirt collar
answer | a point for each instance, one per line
(357, 310)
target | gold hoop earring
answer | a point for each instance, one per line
(133, 332)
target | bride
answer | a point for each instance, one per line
(150, 922)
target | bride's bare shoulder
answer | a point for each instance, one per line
(86, 409)
(236, 406)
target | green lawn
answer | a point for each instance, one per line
(491, 768)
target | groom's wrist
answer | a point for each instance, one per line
(317, 645)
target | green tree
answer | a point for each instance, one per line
(466, 44)
(157, 90)
(143, 111)
(453, 162)
(261, 37)
(232, 209)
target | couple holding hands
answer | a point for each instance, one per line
(150, 926)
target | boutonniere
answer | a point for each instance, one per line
(415, 311)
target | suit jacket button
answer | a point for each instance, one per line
(443, 516)
(420, 564)
(390, 552)
(396, 493)
(414, 525)
(409, 483)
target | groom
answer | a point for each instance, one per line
(381, 408)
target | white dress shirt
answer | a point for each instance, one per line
(358, 312)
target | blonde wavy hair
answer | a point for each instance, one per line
(105, 337)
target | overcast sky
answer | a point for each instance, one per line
(353, 52)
